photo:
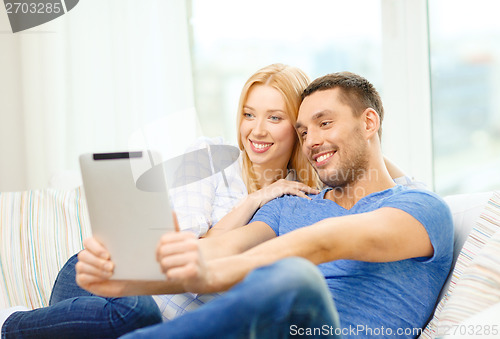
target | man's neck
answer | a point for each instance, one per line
(373, 180)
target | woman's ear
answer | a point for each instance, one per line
(372, 122)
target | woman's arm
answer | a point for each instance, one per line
(393, 169)
(244, 211)
(401, 178)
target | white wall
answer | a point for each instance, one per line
(12, 145)
(87, 81)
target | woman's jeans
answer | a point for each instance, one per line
(75, 313)
(287, 299)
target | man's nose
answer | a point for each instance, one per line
(313, 139)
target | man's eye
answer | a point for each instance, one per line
(303, 134)
(325, 123)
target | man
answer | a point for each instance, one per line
(383, 251)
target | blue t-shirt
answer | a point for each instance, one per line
(391, 296)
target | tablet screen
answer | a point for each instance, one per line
(128, 220)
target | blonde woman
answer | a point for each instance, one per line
(270, 164)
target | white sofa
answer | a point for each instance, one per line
(40, 229)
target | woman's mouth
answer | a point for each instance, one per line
(260, 147)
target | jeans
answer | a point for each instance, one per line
(289, 298)
(75, 313)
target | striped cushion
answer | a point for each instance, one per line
(477, 290)
(39, 231)
(468, 277)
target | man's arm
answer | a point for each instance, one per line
(386, 234)
(211, 265)
(180, 251)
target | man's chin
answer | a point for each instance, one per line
(336, 178)
(336, 185)
(331, 180)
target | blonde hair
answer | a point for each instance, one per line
(290, 82)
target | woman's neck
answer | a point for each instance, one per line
(265, 176)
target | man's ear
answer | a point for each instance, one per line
(372, 122)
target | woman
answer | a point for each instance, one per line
(269, 156)
(271, 164)
(266, 116)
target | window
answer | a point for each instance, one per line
(233, 39)
(465, 79)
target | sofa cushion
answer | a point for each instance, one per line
(484, 228)
(39, 231)
(465, 210)
(477, 290)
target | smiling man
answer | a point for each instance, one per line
(382, 251)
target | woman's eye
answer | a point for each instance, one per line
(247, 115)
(275, 118)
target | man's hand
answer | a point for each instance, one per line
(182, 261)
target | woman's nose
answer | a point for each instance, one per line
(259, 128)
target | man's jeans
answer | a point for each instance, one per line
(287, 299)
(75, 313)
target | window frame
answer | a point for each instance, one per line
(407, 135)
(407, 129)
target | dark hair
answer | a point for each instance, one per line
(356, 92)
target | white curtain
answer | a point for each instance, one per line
(88, 81)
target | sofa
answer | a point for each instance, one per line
(41, 229)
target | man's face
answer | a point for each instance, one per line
(332, 138)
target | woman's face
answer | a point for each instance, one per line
(266, 130)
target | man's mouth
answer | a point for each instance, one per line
(321, 159)
(260, 147)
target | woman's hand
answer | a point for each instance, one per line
(243, 212)
(279, 188)
(94, 269)
(182, 262)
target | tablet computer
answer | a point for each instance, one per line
(128, 220)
